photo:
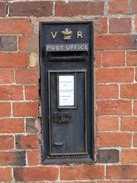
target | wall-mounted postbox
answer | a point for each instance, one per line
(66, 65)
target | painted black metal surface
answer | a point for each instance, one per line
(66, 51)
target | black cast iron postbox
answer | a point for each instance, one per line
(66, 65)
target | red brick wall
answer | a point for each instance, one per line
(115, 33)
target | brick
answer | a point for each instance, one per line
(101, 25)
(6, 142)
(6, 76)
(36, 173)
(11, 125)
(118, 7)
(5, 175)
(25, 109)
(120, 25)
(31, 126)
(15, 26)
(115, 139)
(108, 156)
(122, 172)
(135, 107)
(79, 8)
(110, 59)
(136, 24)
(115, 42)
(37, 9)
(31, 92)
(97, 62)
(32, 157)
(132, 58)
(128, 91)
(5, 109)
(80, 172)
(11, 92)
(129, 123)
(2, 9)
(13, 60)
(23, 40)
(129, 156)
(8, 43)
(107, 123)
(12, 158)
(117, 107)
(136, 74)
(27, 76)
(134, 6)
(135, 140)
(107, 91)
(106, 75)
(26, 142)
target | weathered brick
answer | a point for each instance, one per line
(106, 75)
(5, 174)
(122, 172)
(36, 173)
(134, 6)
(11, 92)
(15, 26)
(80, 172)
(26, 142)
(8, 43)
(118, 7)
(128, 91)
(115, 139)
(32, 157)
(25, 109)
(6, 76)
(110, 59)
(120, 25)
(30, 125)
(100, 25)
(12, 158)
(6, 142)
(23, 40)
(79, 8)
(5, 109)
(132, 58)
(107, 91)
(37, 8)
(108, 156)
(121, 107)
(2, 9)
(135, 140)
(129, 123)
(31, 92)
(11, 125)
(129, 156)
(107, 123)
(13, 60)
(27, 76)
(115, 42)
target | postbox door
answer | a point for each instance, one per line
(68, 122)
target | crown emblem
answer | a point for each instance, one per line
(66, 34)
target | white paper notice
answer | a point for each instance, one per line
(66, 90)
